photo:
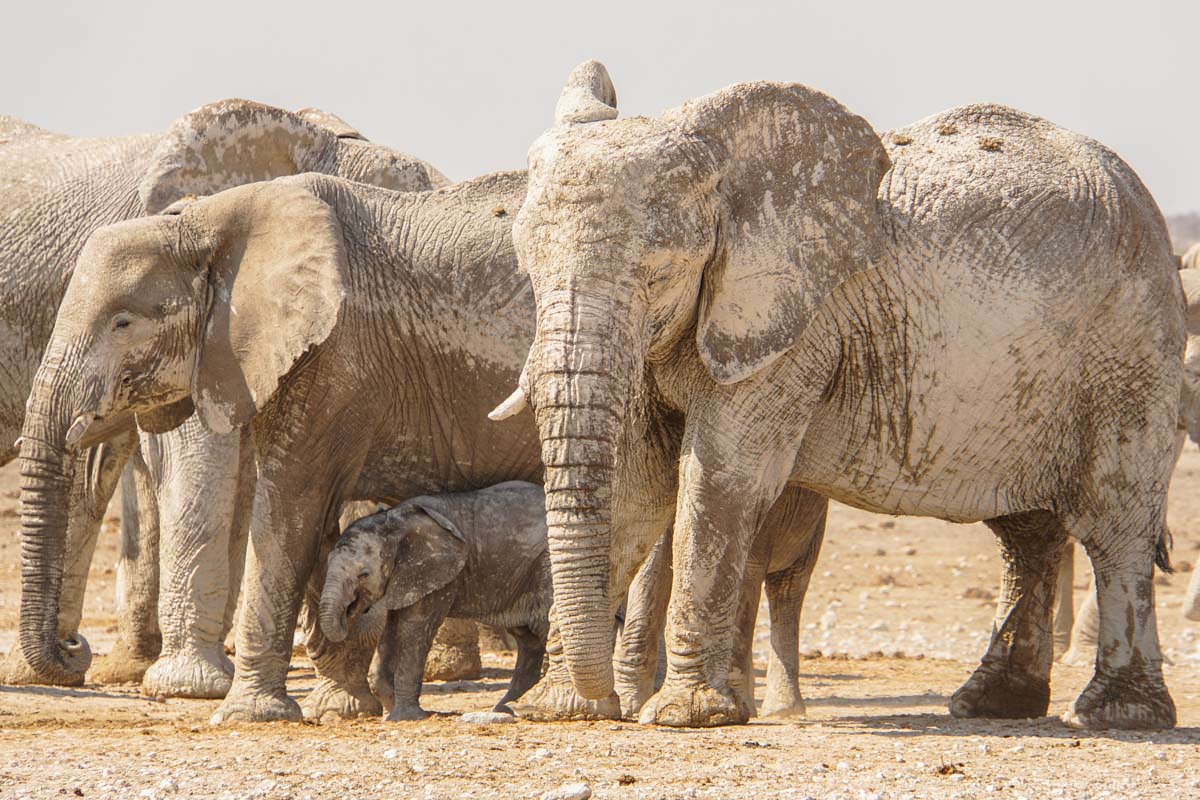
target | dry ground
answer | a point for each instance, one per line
(899, 611)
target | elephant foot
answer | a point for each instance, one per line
(999, 693)
(451, 662)
(205, 675)
(331, 702)
(784, 704)
(15, 670)
(632, 699)
(126, 663)
(553, 701)
(406, 713)
(692, 706)
(1125, 702)
(246, 705)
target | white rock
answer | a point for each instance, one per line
(391, 753)
(486, 718)
(569, 791)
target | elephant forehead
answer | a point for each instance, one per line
(607, 152)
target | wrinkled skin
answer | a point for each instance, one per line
(781, 563)
(55, 190)
(360, 333)
(473, 555)
(1075, 637)
(875, 326)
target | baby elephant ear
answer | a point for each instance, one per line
(588, 96)
(431, 555)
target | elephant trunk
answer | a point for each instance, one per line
(581, 391)
(336, 598)
(46, 477)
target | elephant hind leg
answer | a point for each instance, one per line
(531, 651)
(1127, 689)
(1013, 679)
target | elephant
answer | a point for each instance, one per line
(55, 190)
(898, 327)
(781, 562)
(1075, 637)
(313, 315)
(473, 555)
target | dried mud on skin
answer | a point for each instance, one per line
(877, 724)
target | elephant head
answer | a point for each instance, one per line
(232, 142)
(207, 308)
(712, 232)
(397, 556)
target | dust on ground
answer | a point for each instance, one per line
(897, 615)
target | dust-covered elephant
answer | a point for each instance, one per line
(901, 329)
(358, 333)
(55, 190)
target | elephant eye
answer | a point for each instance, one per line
(121, 321)
(364, 575)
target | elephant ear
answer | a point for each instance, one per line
(229, 143)
(276, 277)
(432, 554)
(798, 216)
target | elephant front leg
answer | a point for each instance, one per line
(1064, 600)
(635, 665)
(553, 698)
(723, 497)
(1127, 690)
(202, 509)
(139, 639)
(1013, 679)
(412, 630)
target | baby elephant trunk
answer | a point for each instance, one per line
(337, 597)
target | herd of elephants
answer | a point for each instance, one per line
(601, 403)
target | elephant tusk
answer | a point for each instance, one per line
(514, 404)
(79, 428)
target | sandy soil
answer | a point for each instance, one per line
(897, 615)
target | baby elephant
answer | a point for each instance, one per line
(477, 555)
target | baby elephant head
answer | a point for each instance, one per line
(397, 556)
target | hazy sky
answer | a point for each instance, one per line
(469, 86)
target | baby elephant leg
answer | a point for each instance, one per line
(531, 651)
(413, 629)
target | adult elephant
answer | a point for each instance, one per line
(902, 334)
(1075, 637)
(55, 190)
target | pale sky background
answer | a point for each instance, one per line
(469, 86)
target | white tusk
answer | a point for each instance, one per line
(17, 443)
(514, 404)
(79, 428)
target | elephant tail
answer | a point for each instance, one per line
(1162, 551)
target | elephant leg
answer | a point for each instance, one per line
(1127, 689)
(1191, 602)
(795, 526)
(96, 474)
(414, 628)
(1064, 600)
(1013, 679)
(531, 651)
(139, 639)
(455, 652)
(198, 490)
(296, 501)
(1085, 631)
(721, 504)
(635, 664)
(239, 531)
(741, 666)
(343, 689)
